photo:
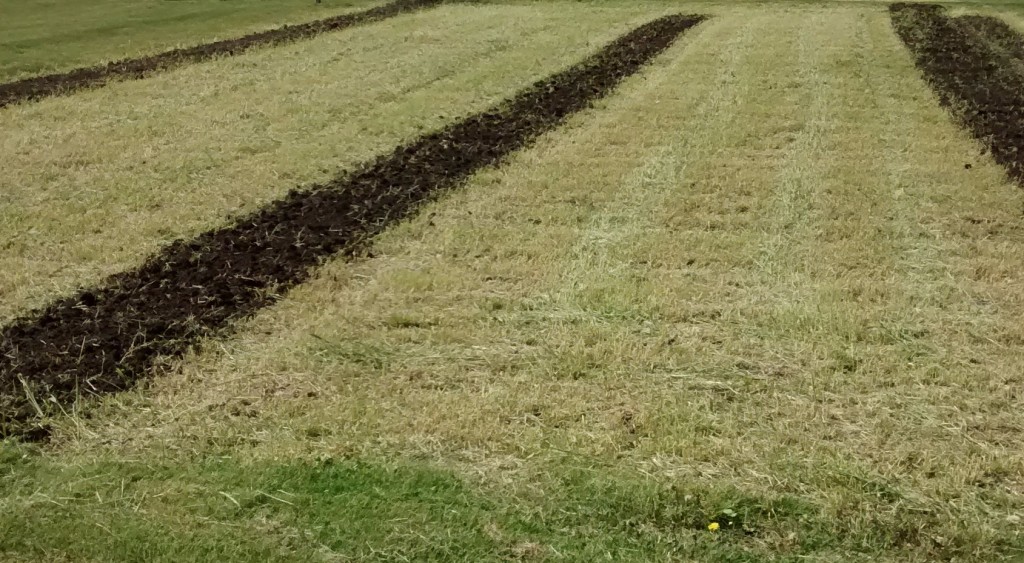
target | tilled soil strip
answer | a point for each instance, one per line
(974, 74)
(998, 32)
(38, 87)
(104, 339)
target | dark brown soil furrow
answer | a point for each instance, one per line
(976, 80)
(106, 338)
(998, 32)
(81, 78)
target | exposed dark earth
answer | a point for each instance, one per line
(107, 338)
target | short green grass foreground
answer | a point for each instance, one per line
(763, 302)
(220, 509)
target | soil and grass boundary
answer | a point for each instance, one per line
(106, 338)
(38, 87)
(970, 62)
(997, 33)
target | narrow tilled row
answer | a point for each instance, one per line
(105, 339)
(970, 64)
(38, 87)
(997, 32)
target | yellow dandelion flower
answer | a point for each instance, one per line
(713, 526)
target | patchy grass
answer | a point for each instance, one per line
(44, 36)
(330, 509)
(218, 509)
(758, 285)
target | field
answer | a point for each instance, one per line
(510, 280)
(46, 36)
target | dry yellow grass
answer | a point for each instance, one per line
(763, 264)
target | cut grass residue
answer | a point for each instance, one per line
(757, 269)
(758, 282)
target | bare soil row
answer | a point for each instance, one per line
(107, 338)
(998, 33)
(973, 65)
(38, 87)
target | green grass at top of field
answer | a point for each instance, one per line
(333, 509)
(43, 36)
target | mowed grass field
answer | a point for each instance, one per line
(761, 303)
(44, 36)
